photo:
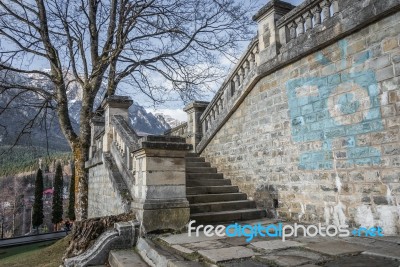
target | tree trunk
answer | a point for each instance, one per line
(81, 181)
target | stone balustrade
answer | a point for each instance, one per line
(232, 86)
(125, 139)
(308, 15)
(180, 130)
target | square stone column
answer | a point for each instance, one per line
(194, 110)
(268, 34)
(97, 127)
(160, 183)
(113, 105)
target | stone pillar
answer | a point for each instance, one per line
(268, 34)
(113, 105)
(160, 183)
(97, 125)
(317, 15)
(194, 110)
(292, 30)
(335, 5)
(325, 5)
(308, 20)
(300, 25)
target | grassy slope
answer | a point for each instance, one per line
(36, 255)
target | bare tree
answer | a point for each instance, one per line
(139, 43)
(11, 205)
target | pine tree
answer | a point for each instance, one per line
(71, 205)
(57, 212)
(37, 215)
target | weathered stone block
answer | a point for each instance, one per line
(164, 219)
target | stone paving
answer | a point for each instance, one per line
(296, 251)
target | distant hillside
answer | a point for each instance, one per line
(45, 132)
(25, 158)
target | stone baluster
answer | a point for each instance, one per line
(233, 88)
(222, 104)
(284, 35)
(252, 60)
(335, 7)
(300, 25)
(308, 20)
(237, 81)
(246, 68)
(317, 15)
(292, 30)
(241, 75)
(325, 9)
(256, 51)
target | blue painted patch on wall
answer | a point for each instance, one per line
(341, 105)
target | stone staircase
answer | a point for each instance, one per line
(214, 199)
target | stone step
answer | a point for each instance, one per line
(199, 176)
(161, 255)
(207, 182)
(206, 198)
(195, 159)
(198, 164)
(228, 216)
(125, 258)
(201, 170)
(211, 189)
(192, 155)
(222, 206)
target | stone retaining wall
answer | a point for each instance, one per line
(319, 139)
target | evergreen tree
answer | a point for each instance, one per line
(57, 212)
(37, 215)
(71, 205)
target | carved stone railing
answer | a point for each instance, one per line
(180, 130)
(308, 15)
(125, 139)
(242, 73)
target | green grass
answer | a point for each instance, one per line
(44, 254)
(8, 252)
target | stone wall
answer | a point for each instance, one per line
(319, 139)
(104, 198)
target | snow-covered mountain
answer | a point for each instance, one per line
(167, 120)
(24, 108)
